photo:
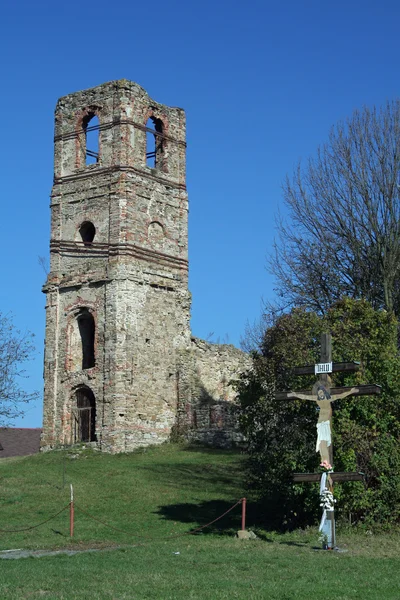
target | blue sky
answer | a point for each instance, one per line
(261, 83)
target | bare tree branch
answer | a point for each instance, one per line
(342, 236)
(16, 348)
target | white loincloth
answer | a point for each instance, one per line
(323, 434)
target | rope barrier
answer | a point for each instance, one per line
(215, 520)
(98, 520)
(169, 537)
(35, 526)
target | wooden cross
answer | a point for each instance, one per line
(323, 394)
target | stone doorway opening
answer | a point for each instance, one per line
(84, 416)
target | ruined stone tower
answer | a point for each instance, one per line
(121, 368)
(118, 304)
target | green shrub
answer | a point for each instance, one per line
(366, 430)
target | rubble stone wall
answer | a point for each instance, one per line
(207, 410)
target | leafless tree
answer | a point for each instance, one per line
(16, 349)
(342, 232)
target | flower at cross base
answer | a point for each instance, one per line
(326, 467)
(327, 501)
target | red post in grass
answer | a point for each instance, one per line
(243, 514)
(71, 513)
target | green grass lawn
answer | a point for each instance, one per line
(152, 498)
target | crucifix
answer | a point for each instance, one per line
(323, 395)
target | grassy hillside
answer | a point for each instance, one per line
(153, 492)
(150, 498)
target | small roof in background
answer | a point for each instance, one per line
(18, 441)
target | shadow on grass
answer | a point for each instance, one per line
(199, 515)
(202, 514)
(295, 544)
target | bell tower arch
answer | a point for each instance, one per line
(118, 305)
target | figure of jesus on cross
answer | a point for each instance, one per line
(322, 396)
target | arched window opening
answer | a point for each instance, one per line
(91, 126)
(86, 328)
(84, 416)
(154, 143)
(87, 232)
(155, 231)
